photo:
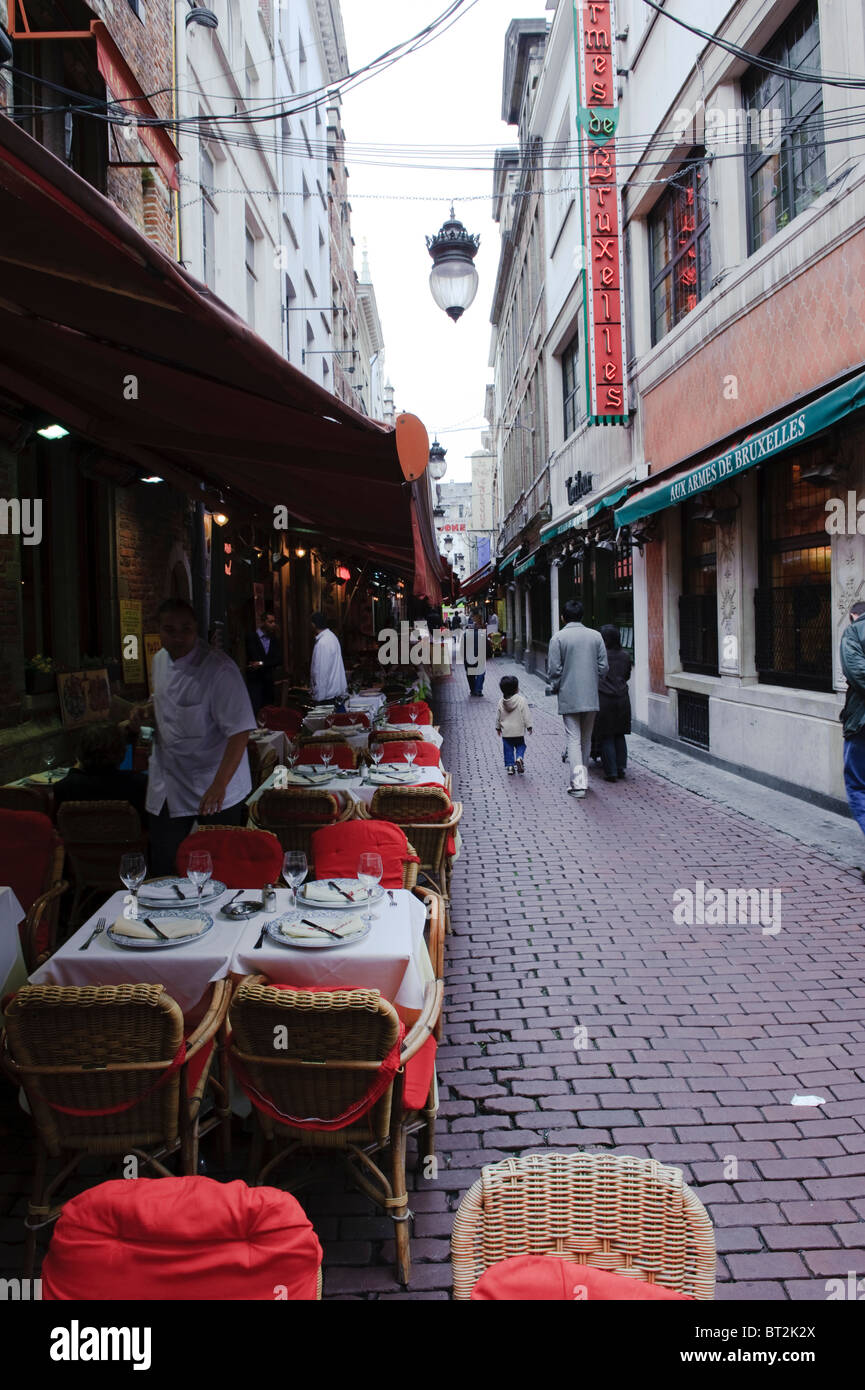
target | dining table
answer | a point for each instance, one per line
(13, 971)
(358, 785)
(392, 958)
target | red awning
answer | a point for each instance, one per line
(478, 582)
(118, 343)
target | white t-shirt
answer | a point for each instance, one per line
(200, 701)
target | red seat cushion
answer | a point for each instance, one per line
(418, 1076)
(530, 1278)
(274, 717)
(181, 1239)
(345, 721)
(27, 843)
(401, 714)
(336, 849)
(425, 754)
(343, 756)
(241, 858)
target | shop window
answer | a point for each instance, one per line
(698, 601)
(539, 603)
(680, 247)
(794, 600)
(785, 175)
(571, 385)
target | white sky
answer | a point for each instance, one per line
(448, 94)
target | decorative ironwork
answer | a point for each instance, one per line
(698, 633)
(693, 718)
(794, 635)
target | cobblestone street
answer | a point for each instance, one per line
(697, 1037)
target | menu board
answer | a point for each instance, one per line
(85, 697)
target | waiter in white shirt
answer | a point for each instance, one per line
(199, 768)
(327, 678)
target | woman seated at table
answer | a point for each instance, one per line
(97, 776)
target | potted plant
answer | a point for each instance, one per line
(39, 675)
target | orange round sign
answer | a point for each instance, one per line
(412, 446)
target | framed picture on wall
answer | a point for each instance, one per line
(85, 697)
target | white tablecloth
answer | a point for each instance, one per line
(186, 971)
(13, 971)
(392, 958)
(424, 731)
(269, 739)
(351, 788)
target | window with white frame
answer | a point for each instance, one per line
(251, 277)
(571, 385)
(207, 181)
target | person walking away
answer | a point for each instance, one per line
(327, 678)
(614, 707)
(263, 658)
(199, 769)
(853, 713)
(576, 660)
(475, 654)
(513, 722)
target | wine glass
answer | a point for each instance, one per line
(294, 871)
(413, 714)
(198, 870)
(133, 871)
(369, 872)
(376, 752)
(291, 753)
(50, 759)
(410, 755)
(326, 754)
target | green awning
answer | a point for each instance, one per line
(527, 564)
(581, 516)
(509, 559)
(787, 434)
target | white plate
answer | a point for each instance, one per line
(139, 943)
(211, 890)
(311, 943)
(351, 885)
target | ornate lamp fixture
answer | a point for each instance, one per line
(453, 279)
(437, 466)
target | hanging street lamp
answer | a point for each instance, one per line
(453, 279)
(437, 466)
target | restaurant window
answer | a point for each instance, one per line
(571, 384)
(698, 601)
(207, 181)
(784, 175)
(680, 247)
(794, 600)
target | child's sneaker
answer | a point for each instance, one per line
(520, 766)
(511, 771)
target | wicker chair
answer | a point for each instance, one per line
(402, 713)
(293, 813)
(304, 740)
(325, 839)
(96, 834)
(336, 1041)
(631, 1216)
(393, 736)
(429, 818)
(98, 1047)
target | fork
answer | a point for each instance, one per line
(100, 927)
(391, 896)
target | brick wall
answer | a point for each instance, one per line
(655, 594)
(150, 522)
(807, 332)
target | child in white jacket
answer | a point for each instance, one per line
(513, 722)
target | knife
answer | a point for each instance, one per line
(306, 922)
(178, 892)
(348, 896)
(154, 927)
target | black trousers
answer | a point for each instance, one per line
(168, 832)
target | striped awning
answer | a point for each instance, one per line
(579, 518)
(509, 559)
(527, 564)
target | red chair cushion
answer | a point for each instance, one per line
(336, 849)
(241, 858)
(533, 1278)
(181, 1239)
(418, 1076)
(274, 717)
(401, 714)
(27, 842)
(425, 754)
(343, 756)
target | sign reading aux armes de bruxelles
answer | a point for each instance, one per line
(604, 291)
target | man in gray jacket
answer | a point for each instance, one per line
(576, 660)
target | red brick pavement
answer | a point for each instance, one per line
(698, 1036)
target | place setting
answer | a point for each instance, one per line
(326, 913)
(161, 926)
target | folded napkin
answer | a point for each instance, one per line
(321, 893)
(175, 927)
(348, 926)
(166, 891)
(312, 774)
